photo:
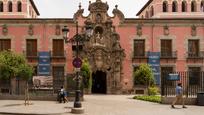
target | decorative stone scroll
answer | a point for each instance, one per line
(30, 30)
(5, 29)
(57, 30)
(193, 30)
(166, 30)
(139, 30)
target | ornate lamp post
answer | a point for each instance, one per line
(77, 62)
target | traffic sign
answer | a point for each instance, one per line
(77, 62)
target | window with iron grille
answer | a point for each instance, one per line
(165, 71)
(139, 48)
(5, 44)
(166, 48)
(194, 75)
(58, 76)
(193, 48)
(58, 71)
(31, 47)
(58, 47)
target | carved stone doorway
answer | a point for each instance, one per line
(103, 49)
(99, 84)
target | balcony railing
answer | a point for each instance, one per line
(168, 54)
(30, 54)
(53, 54)
(61, 54)
(199, 54)
(140, 55)
(162, 55)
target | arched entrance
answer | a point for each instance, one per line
(99, 82)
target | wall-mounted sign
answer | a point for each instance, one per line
(44, 64)
(154, 62)
(173, 77)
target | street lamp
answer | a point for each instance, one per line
(77, 62)
(65, 32)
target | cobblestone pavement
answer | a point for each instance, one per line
(98, 105)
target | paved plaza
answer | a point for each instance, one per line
(98, 105)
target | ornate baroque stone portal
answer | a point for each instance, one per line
(103, 49)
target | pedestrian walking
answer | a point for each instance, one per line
(62, 94)
(179, 96)
(66, 96)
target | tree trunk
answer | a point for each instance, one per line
(10, 86)
(26, 94)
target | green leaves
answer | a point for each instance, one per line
(153, 90)
(25, 71)
(86, 73)
(144, 75)
(156, 99)
(12, 65)
(4, 72)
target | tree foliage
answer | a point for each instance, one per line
(25, 71)
(144, 75)
(12, 65)
(86, 73)
(153, 90)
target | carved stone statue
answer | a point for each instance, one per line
(98, 59)
(99, 40)
(98, 18)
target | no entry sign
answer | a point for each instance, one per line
(77, 62)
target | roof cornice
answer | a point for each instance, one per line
(37, 20)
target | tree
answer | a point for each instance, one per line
(25, 72)
(86, 73)
(9, 64)
(144, 76)
(15, 65)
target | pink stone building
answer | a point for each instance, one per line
(172, 9)
(18, 9)
(174, 28)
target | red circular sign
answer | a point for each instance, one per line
(77, 62)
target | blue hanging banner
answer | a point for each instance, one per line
(154, 62)
(44, 64)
